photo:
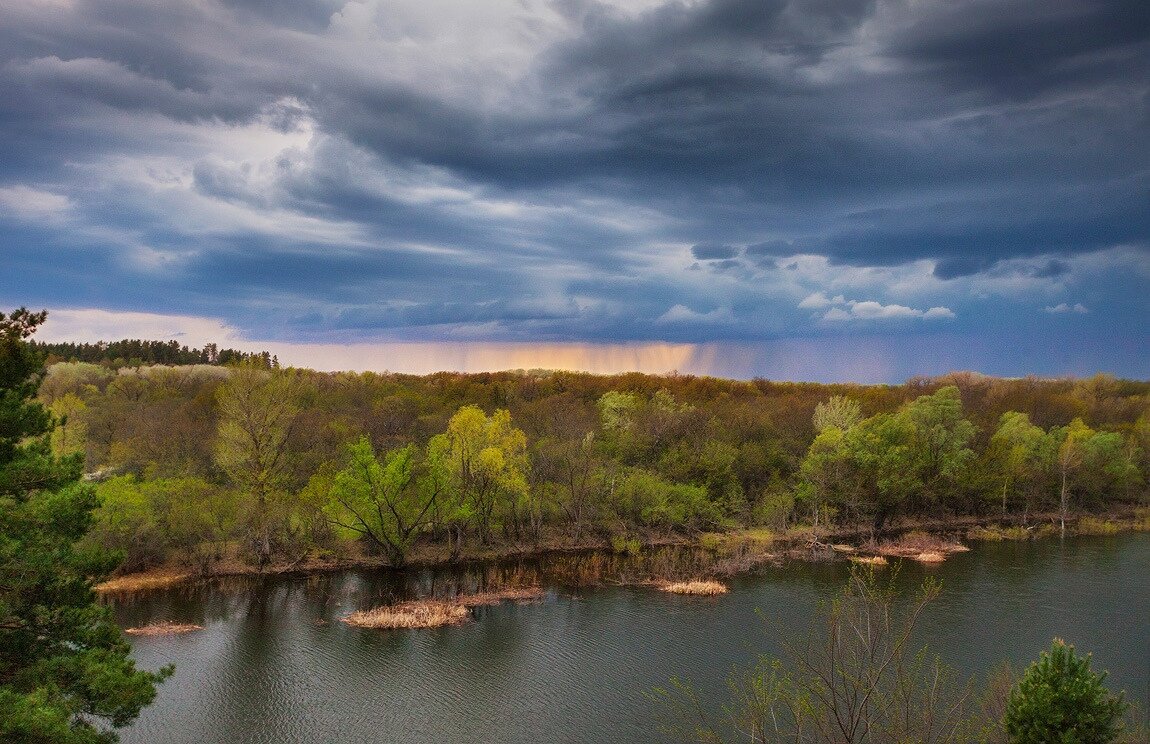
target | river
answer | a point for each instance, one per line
(274, 664)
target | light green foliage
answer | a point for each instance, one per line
(78, 378)
(1109, 468)
(69, 433)
(626, 546)
(65, 670)
(940, 438)
(711, 465)
(880, 449)
(257, 435)
(1021, 454)
(645, 498)
(384, 500)
(826, 475)
(838, 412)
(1059, 700)
(485, 460)
(184, 519)
(775, 507)
(891, 462)
(617, 410)
(126, 521)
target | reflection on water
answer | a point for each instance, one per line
(274, 664)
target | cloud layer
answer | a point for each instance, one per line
(575, 170)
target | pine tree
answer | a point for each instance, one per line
(1059, 700)
(65, 672)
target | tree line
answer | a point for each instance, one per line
(201, 462)
(134, 352)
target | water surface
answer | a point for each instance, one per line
(274, 664)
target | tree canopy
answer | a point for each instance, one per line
(65, 672)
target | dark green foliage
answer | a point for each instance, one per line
(64, 665)
(1059, 700)
(136, 352)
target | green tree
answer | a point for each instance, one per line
(1019, 453)
(385, 501)
(65, 671)
(940, 436)
(1059, 700)
(68, 436)
(1072, 450)
(485, 459)
(257, 410)
(642, 497)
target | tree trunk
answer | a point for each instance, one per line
(1062, 501)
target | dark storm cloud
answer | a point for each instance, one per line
(713, 251)
(533, 160)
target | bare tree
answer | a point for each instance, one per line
(852, 678)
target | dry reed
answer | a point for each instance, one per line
(486, 599)
(163, 628)
(920, 546)
(869, 560)
(434, 613)
(698, 587)
(929, 556)
(418, 614)
(141, 581)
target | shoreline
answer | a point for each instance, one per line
(735, 551)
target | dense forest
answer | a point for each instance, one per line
(202, 463)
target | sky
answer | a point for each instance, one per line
(796, 189)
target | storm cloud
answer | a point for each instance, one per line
(576, 170)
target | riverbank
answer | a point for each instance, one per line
(736, 551)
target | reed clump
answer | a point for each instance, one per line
(929, 556)
(920, 546)
(436, 613)
(868, 560)
(415, 614)
(697, 587)
(487, 599)
(163, 628)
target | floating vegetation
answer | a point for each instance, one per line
(869, 560)
(699, 587)
(163, 628)
(929, 556)
(920, 546)
(417, 614)
(436, 613)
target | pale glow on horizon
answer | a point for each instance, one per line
(829, 359)
(410, 357)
